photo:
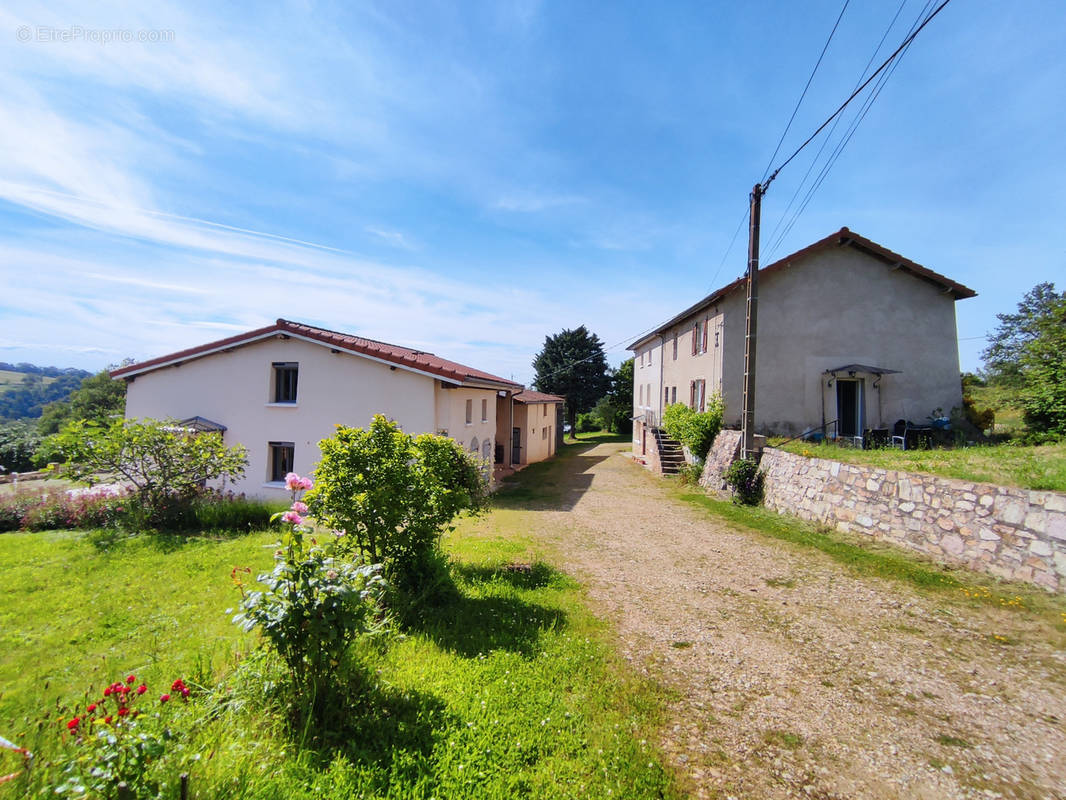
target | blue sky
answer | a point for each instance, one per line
(470, 177)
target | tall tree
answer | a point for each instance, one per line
(573, 364)
(1028, 352)
(98, 398)
(1006, 345)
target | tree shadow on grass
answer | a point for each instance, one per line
(392, 730)
(472, 626)
(556, 484)
(518, 576)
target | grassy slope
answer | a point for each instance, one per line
(510, 692)
(1041, 467)
(9, 379)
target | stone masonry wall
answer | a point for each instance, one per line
(1012, 533)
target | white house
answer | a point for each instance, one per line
(851, 336)
(280, 389)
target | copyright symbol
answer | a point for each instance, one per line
(24, 34)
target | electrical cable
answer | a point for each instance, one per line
(829, 136)
(803, 94)
(885, 63)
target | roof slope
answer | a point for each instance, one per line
(843, 237)
(416, 360)
(528, 396)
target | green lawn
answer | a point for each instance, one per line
(1042, 467)
(511, 691)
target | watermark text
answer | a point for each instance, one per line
(69, 34)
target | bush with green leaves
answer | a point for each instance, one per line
(313, 606)
(392, 496)
(746, 480)
(694, 429)
(166, 465)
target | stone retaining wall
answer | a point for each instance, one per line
(1012, 533)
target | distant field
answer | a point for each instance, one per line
(9, 379)
(1004, 403)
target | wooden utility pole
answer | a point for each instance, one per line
(751, 324)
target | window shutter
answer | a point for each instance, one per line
(704, 350)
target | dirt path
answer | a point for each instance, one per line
(790, 677)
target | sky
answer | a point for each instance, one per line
(468, 178)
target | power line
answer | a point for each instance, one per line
(803, 94)
(827, 139)
(854, 94)
(838, 150)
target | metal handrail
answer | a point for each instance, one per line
(806, 433)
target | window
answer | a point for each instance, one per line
(695, 338)
(545, 407)
(484, 410)
(642, 358)
(666, 395)
(475, 445)
(703, 345)
(673, 395)
(696, 394)
(285, 381)
(640, 392)
(675, 345)
(281, 459)
(544, 434)
(469, 412)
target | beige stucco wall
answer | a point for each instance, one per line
(837, 306)
(850, 308)
(647, 380)
(450, 407)
(233, 388)
(538, 430)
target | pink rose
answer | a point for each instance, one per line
(293, 481)
(299, 508)
(293, 518)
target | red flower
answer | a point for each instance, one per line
(123, 712)
(107, 691)
(107, 719)
(163, 698)
(73, 724)
(131, 679)
(177, 685)
(91, 707)
(142, 689)
(184, 693)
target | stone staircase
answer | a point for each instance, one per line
(671, 456)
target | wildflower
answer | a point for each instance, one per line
(107, 719)
(131, 679)
(177, 686)
(123, 711)
(91, 707)
(142, 689)
(73, 724)
(163, 698)
(107, 691)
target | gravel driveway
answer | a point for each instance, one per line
(788, 676)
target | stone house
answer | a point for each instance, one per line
(280, 389)
(851, 336)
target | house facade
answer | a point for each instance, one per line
(851, 336)
(536, 431)
(281, 389)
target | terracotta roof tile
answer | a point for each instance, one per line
(396, 354)
(529, 396)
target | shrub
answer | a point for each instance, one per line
(746, 481)
(166, 465)
(690, 474)
(392, 496)
(313, 606)
(587, 423)
(695, 430)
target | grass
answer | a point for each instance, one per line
(510, 691)
(1042, 467)
(868, 558)
(9, 379)
(1004, 401)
